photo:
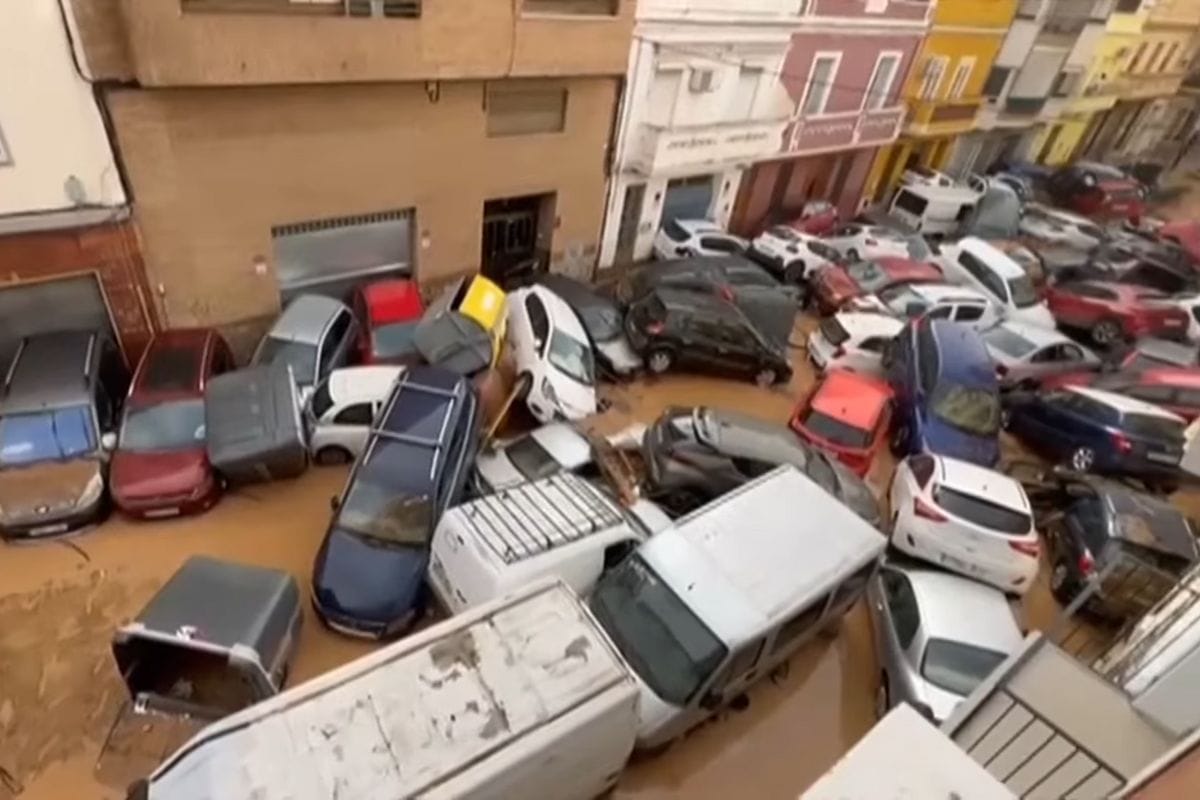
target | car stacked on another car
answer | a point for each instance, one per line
(848, 416)
(601, 318)
(792, 255)
(974, 262)
(935, 300)
(554, 361)
(339, 413)
(1049, 226)
(683, 238)
(314, 335)
(1110, 312)
(834, 286)
(1025, 354)
(544, 451)
(852, 341)
(1098, 191)
(389, 312)
(857, 241)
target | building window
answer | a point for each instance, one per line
(1065, 84)
(519, 107)
(664, 93)
(880, 87)
(595, 8)
(820, 83)
(993, 87)
(742, 102)
(1154, 54)
(962, 76)
(931, 76)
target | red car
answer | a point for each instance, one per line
(1185, 233)
(1115, 311)
(818, 217)
(835, 285)
(847, 415)
(160, 467)
(1098, 191)
(1176, 389)
(389, 311)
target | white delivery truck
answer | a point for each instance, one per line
(707, 607)
(520, 698)
(561, 526)
(934, 209)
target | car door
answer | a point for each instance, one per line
(717, 245)
(350, 426)
(898, 618)
(715, 346)
(335, 346)
(741, 668)
(972, 314)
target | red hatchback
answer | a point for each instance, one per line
(1114, 311)
(389, 311)
(847, 416)
(160, 467)
(818, 217)
(835, 285)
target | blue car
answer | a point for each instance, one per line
(1098, 431)
(946, 395)
(369, 575)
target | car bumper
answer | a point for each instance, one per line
(163, 506)
(363, 629)
(55, 524)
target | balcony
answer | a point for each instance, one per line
(1182, 13)
(661, 149)
(932, 117)
(1147, 84)
(1023, 106)
(843, 131)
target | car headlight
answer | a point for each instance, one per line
(91, 493)
(548, 391)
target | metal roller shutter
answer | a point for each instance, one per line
(75, 303)
(688, 198)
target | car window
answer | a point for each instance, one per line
(1022, 291)
(1152, 394)
(1152, 426)
(59, 433)
(1071, 352)
(875, 344)
(1089, 291)
(720, 244)
(709, 329)
(798, 625)
(1047, 355)
(941, 313)
(984, 274)
(970, 409)
(1091, 522)
(463, 432)
(907, 201)
(927, 359)
(922, 468)
(982, 511)
(539, 320)
(674, 231)
(902, 605)
(829, 254)
(1087, 407)
(332, 342)
(357, 414)
(738, 665)
(835, 430)
(958, 667)
(968, 313)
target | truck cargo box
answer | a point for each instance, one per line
(254, 429)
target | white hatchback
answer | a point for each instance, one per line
(341, 409)
(973, 262)
(853, 341)
(554, 360)
(684, 238)
(965, 518)
(790, 254)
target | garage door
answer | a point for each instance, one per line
(688, 198)
(65, 304)
(331, 256)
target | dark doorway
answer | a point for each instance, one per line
(517, 232)
(631, 214)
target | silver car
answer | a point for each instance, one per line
(937, 636)
(314, 334)
(541, 452)
(1024, 354)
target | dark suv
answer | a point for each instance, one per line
(671, 327)
(368, 578)
(59, 408)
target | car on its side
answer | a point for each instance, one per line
(973, 262)
(694, 455)
(339, 413)
(1126, 244)
(1025, 355)
(314, 335)
(1110, 312)
(672, 327)
(1098, 191)
(938, 636)
(1051, 227)
(683, 238)
(950, 301)
(59, 408)
(857, 241)
(554, 361)
(835, 286)
(965, 518)
(946, 393)
(791, 255)
(1097, 431)
(389, 312)
(602, 320)
(847, 415)
(369, 573)
(852, 341)
(540, 453)
(160, 467)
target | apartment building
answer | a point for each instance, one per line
(280, 146)
(68, 253)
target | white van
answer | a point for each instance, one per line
(707, 607)
(521, 698)
(339, 412)
(560, 526)
(932, 208)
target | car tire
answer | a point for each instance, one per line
(333, 455)
(852, 255)
(794, 273)
(1061, 585)
(898, 441)
(766, 377)
(883, 700)
(1106, 333)
(659, 361)
(1082, 459)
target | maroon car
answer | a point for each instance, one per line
(160, 467)
(1113, 311)
(835, 285)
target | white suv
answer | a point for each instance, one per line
(340, 412)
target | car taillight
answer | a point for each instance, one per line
(923, 509)
(1030, 548)
(654, 328)
(1086, 563)
(1121, 442)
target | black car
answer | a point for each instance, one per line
(369, 574)
(693, 455)
(1169, 277)
(672, 327)
(601, 318)
(1130, 244)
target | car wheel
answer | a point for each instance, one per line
(328, 456)
(659, 361)
(899, 441)
(852, 254)
(767, 376)
(883, 701)
(794, 273)
(1060, 583)
(1083, 459)
(1106, 332)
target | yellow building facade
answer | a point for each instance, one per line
(944, 88)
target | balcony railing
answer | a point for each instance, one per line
(1147, 84)
(334, 8)
(929, 115)
(664, 148)
(846, 129)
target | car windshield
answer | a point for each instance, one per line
(1023, 292)
(665, 643)
(918, 248)
(602, 322)
(396, 339)
(834, 430)
(174, 425)
(869, 276)
(958, 667)
(981, 511)
(674, 231)
(1152, 426)
(572, 357)
(46, 435)
(378, 505)
(903, 301)
(301, 357)
(321, 401)
(1008, 341)
(975, 411)
(531, 459)
(833, 330)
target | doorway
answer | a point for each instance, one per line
(517, 233)
(631, 214)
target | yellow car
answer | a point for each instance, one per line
(487, 304)
(478, 300)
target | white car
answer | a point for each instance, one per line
(853, 341)
(792, 255)
(1053, 226)
(553, 357)
(1191, 305)
(682, 238)
(341, 409)
(858, 241)
(965, 518)
(973, 262)
(557, 447)
(937, 300)
(1025, 354)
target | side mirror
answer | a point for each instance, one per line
(108, 441)
(711, 701)
(334, 503)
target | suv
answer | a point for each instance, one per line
(369, 574)
(1098, 190)
(670, 326)
(59, 408)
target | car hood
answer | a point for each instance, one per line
(946, 440)
(367, 581)
(157, 474)
(854, 492)
(573, 399)
(496, 470)
(1037, 314)
(620, 355)
(38, 489)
